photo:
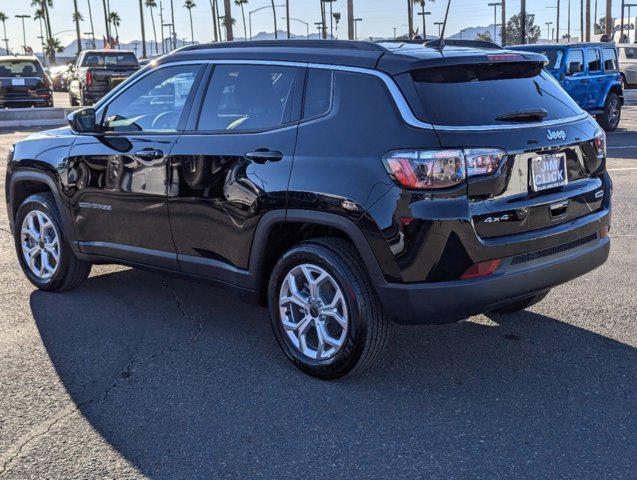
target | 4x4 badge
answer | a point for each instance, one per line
(555, 134)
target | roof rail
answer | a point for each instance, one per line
(343, 44)
(463, 43)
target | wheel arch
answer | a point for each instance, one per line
(26, 183)
(279, 230)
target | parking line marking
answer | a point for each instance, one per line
(622, 146)
(620, 169)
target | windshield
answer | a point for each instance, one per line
(485, 94)
(20, 68)
(110, 60)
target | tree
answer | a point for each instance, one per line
(350, 19)
(44, 6)
(276, 30)
(227, 9)
(3, 19)
(77, 18)
(116, 21)
(410, 18)
(151, 4)
(599, 27)
(241, 3)
(107, 21)
(323, 21)
(514, 30)
(484, 36)
(52, 47)
(213, 11)
(143, 27)
(189, 5)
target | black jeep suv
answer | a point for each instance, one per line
(342, 184)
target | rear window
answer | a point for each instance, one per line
(20, 68)
(110, 60)
(477, 94)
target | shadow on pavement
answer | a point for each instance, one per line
(185, 381)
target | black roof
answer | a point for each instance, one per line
(391, 57)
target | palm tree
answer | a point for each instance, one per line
(107, 21)
(44, 6)
(225, 24)
(189, 4)
(141, 23)
(3, 19)
(90, 17)
(150, 4)
(410, 17)
(213, 11)
(350, 19)
(276, 33)
(116, 21)
(227, 8)
(241, 3)
(77, 18)
(52, 47)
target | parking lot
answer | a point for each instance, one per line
(139, 375)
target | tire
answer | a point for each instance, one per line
(522, 304)
(364, 335)
(609, 120)
(68, 271)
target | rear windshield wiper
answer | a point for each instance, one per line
(524, 115)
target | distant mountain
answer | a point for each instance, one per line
(471, 33)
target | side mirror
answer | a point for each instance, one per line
(574, 67)
(83, 121)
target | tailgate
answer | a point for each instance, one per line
(508, 202)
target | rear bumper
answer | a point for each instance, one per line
(26, 101)
(517, 277)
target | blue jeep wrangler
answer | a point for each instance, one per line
(589, 72)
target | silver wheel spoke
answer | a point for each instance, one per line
(322, 329)
(40, 244)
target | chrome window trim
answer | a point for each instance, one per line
(403, 107)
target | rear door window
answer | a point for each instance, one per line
(576, 56)
(630, 53)
(248, 97)
(610, 60)
(479, 94)
(318, 93)
(594, 60)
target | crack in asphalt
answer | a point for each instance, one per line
(14, 452)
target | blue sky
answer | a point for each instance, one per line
(379, 16)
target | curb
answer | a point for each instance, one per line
(33, 117)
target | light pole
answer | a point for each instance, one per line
(91, 35)
(331, 18)
(424, 23)
(319, 27)
(307, 25)
(548, 30)
(163, 42)
(356, 20)
(495, 6)
(255, 11)
(24, 32)
(440, 24)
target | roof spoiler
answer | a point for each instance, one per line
(463, 43)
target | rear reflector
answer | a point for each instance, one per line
(603, 233)
(481, 269)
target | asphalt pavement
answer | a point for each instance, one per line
(139, 375)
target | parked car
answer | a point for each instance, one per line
(628, 64)
(23, 83)
(97, 72)
(59, 77)
(343, 185)
(589, 72)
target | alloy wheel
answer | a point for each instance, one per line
(40, 244)
(313, 311)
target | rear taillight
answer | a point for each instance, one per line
(434, 169)
(47, 81)
(89, 78)
(600, 144)
(505, 57)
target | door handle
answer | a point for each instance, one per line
(150, 154)
(263, 155)
(583, 81)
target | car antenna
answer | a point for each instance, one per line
(440, 43)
